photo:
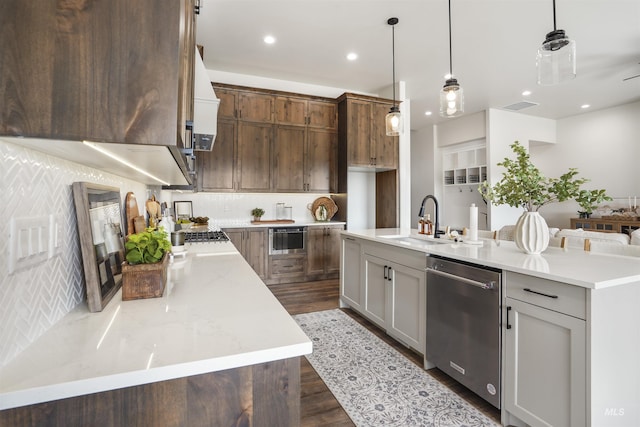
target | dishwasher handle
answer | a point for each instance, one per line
(487, 286)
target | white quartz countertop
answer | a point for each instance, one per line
(572, 266)
(215, 314)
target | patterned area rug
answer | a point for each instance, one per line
(374, 383)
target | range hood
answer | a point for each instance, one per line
(205, 108)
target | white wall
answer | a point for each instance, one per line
(34, 298)
(361, 200)
(605, 147)
(503, 128)
(423, 172)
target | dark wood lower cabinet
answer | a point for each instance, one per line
(266, 394)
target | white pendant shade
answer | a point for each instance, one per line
(556, 59)
(393, 122)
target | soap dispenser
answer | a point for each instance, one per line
(428, 226)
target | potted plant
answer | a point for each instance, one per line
(523, 185)
(144, 273)
(589, 200)
(257, 213)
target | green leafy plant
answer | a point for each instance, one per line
(589, 199)
(257, 212)
(147, 247)
(523, 185)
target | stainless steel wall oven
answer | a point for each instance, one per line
(287, 240)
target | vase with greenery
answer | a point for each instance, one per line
(524, 186)
(589, 200)
(257, 213)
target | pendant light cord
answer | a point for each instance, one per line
(393, 60)
(554, 15)
(450, 50)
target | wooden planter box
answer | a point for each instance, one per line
(144, 280)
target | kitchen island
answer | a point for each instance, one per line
(569, 320)
(217, 347)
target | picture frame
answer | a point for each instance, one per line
(99, 220)
(183, 209)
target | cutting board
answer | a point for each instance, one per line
(131, 210)
(274, 221)
(139, 224)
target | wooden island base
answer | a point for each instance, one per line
(266, 394)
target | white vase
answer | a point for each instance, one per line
(532, 233)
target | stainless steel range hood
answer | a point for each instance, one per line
(205, 108)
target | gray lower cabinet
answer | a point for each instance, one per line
(545, 352)
(406, 310)
(392, 291)
(375, 289)
(351, 289)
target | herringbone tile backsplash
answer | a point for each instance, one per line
(33, 299)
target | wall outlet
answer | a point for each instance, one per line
(55, 235)
(28, 241)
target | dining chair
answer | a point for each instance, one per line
(603, 247)
(558, 242)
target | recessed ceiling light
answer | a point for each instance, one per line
(427, 113)
(269, 39)
(526, 93)
(352, 56)
(585, 106)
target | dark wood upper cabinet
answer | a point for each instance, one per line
(216, 168)
(288, 158)
(291, 111)
(255, 107)
(362, 132)
(111, 71)
(284, 142)
(228, 103)
(254, 153)
(322, 115)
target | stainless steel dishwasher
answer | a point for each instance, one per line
(463, 324)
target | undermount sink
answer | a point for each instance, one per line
(415, 240)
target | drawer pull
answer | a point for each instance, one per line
(540, 293)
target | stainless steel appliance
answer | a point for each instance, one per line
(463, 324)
(205, 236)
(287, 240)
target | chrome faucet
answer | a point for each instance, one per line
(436, 230)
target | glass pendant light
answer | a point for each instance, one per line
(394, 119)
(451, 95)
(556, 59)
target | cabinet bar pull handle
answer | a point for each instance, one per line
(385, 272)
(540, 293)
(508, 310)
(389, 274)
(486, 286)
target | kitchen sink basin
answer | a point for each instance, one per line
(415, 240)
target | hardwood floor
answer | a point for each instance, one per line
(318, 407)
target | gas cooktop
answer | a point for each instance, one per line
(205, 236)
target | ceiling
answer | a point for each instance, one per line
(494, 49)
